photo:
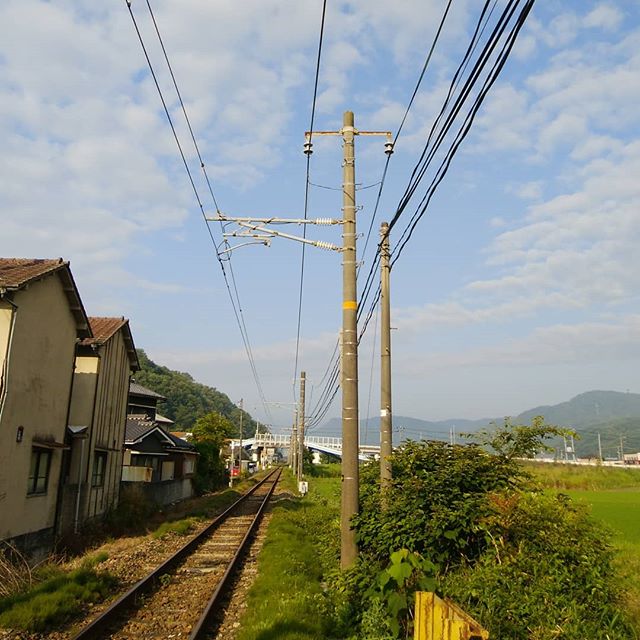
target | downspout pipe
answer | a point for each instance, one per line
(76, 520)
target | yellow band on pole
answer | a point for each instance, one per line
(349, 304)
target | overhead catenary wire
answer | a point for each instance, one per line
(306, 198)
(235, 302)
(425, 66)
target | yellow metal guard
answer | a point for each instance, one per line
(437, 619)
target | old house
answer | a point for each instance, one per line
(97, 417)
(157, 461)
(41, 320)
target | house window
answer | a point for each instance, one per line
(99, 465)
(39, 471)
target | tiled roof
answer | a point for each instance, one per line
(139, 390)
(179, 442)
(104, 329)
(17, 272)
(136, 427)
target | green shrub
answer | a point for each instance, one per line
(436, 500)
(210, 470)
(527, 565)
(547, 574)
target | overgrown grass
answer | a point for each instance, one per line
(179, 527)
(565, 476)
(287, 600)
(58, 597)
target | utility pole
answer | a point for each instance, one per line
(621, 448)
(386, 425)
(350, 471)
(599, 447)
(293, 448)
(260, 231)
(301, 418)
(240, 452)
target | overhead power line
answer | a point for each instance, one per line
(232, 293)
(451, 109)
(331, 388)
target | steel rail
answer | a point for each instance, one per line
(95, 628)
(202, 626)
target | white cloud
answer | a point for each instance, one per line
(604, 16)
(587, 343)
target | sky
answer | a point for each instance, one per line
(520, 285)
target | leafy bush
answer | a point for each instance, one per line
(548, 573)
(528, 566)
(436, 500)
(210, 471)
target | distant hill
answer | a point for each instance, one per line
(186, 399)
(405, 427)
(590, 408)
(611, 413)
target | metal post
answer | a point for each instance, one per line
(350, 479)
(385, 365)
(301, 414)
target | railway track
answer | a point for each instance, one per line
(181, 598)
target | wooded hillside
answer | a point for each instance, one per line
(188, 400)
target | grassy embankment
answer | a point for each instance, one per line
(287, 600)
(613, 495)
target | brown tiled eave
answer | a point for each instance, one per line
(18, 273)
(104, 328)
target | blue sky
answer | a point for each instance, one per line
(520, 286)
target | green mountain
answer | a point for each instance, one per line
(587, 409)
(612, 414)
(186, 399)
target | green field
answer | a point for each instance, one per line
(619, 509)
(613, 495)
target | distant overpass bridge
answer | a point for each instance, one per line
(323, 444)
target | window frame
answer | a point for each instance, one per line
(98, 474)
(35, 471)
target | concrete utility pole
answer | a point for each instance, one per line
(301, 418)
(261, 231)
(350, 471)
(293, 445)
(240, 452)
(386, 424)
(599, 447)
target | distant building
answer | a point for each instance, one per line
(632, 458)
(41, 320)
(158, 461)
